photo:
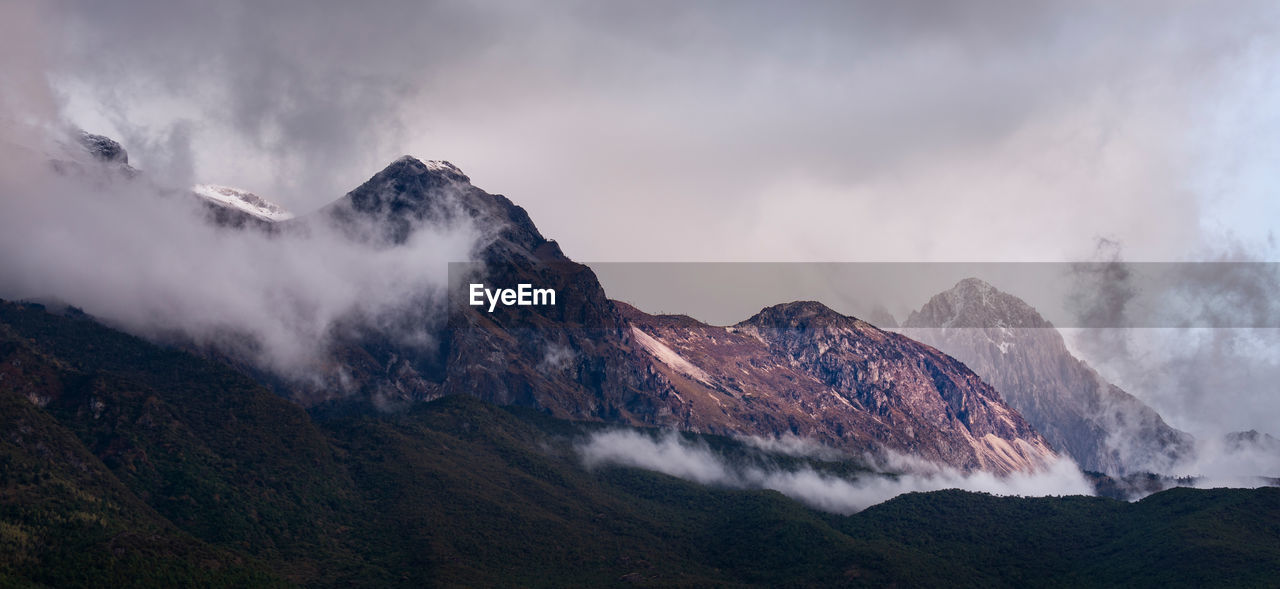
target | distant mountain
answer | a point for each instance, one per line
(1008, 343)
(84, 154)
(243, 201)
(1252, 440)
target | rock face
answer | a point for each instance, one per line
(242, 201)
(572, 359)
(1008, 343)
(92, 157)
(104, 148)
(805, 369)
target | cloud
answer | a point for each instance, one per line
(138, 252)
(790, 444)
(833, 132)
(1196, 341)
(1219, 463)
(144, 257)
(673, 454)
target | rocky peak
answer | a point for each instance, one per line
(975, 303)
(800, 315)
(243, 201)
(411, 192)
(407, 185)
(88, 156)
(103, 148)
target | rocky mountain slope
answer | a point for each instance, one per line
(1006, 342)
(800, 368)
(804, 369)
(797, 369)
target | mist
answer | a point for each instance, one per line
(144, 257)
(673, 454)
(1197, 342)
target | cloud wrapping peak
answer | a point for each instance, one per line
(147, 258)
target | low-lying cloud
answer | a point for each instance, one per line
(672, 454)
(146, 258)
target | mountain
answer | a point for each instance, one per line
(1012, 347)
(793, 369)
(1251, 440)
(123, 463)
(797, 369)
(804, 369)
(85, 155)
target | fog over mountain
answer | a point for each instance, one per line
(145, 256)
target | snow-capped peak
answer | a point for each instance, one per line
(441, 166)
(243, 200)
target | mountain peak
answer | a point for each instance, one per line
(973, 302)
(974, 283)
(797, 314)
(103, 148)
(408, 165)
(82, 153)
(242, 200)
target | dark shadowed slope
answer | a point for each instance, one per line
(129, 464)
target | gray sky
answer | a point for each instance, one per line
(710, 131)
(662, 131)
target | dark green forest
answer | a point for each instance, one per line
(124, 463)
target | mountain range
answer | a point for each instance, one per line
(442, 443)
(798, 368)
(1005, 394)
(124, 463)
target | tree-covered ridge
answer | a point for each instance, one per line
(126, 463)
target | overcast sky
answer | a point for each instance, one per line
(704, 131)
(722, 131)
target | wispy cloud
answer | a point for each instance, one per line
(143, 256)
(673, 454)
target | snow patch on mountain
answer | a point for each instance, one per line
(243, 200)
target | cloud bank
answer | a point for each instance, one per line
(831, 131)
(673, 454)
(145, 257)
